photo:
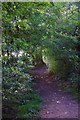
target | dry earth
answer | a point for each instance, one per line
(56, 102)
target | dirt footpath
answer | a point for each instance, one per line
(56, 102)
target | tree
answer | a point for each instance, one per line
(32, 31)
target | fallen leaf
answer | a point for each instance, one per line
(58, 101)
(52, 100)
(65, 112)
(62, 97)
(42, 77)
(47, 112)
(69, 103)
(59, 90)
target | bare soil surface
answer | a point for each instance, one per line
(56, 102)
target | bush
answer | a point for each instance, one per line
(32, 106)
(18, 94)
(62, 59)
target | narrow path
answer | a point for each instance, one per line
(56, 102)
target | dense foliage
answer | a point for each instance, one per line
(33, 33)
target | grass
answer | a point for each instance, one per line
(31, 108)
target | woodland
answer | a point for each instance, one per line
(38, 39)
